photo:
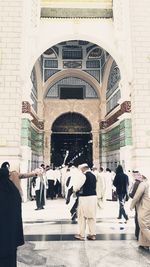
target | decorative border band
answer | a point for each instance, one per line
(124, 108)
(26, 108)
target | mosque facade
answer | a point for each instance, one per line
(75, 78)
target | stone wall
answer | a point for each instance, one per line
(10, 80)
(140, 36)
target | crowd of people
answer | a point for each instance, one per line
(51, 183)
(87, 189)
(84, 189)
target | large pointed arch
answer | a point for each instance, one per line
(74, 73)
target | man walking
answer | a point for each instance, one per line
(87, 205)
(121, 182)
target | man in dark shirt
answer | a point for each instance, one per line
(87, 205)
(121, 182)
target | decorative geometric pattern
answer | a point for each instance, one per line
(26, 108)
(118, 137)
(49, 52)
(72, 64)
(72, 81)
(93, 64)
(71, 57)
(71, 122)
(37, 123)
(83, 42)
(124, 108)
(50, 63)
(95, 74)
(34, 100)
(113, 101)
(96, 53)
(113, 139)
(34, 89)
(103, 125)
(48, 73)
(37, 141)
(72, 53)
(90, 47)
(114, 76)
(34, 80)
(125, 132)
(55, 48)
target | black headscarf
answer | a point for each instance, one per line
(119, 169)
(5, 165)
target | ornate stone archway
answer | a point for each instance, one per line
(71, 133)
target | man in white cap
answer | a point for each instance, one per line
(87, 205)
(141, 200)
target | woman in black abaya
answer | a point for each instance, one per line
(11, 229)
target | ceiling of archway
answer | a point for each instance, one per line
(75, 54)
(71, 123)
(85, 65)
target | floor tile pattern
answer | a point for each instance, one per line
(49, 239)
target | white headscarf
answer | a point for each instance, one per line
(146, 173)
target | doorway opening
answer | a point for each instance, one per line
(71, 140)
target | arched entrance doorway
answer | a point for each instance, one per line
(71, 140)
(79, 76)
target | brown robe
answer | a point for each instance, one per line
(141, 200)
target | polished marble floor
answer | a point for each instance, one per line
(49, 239)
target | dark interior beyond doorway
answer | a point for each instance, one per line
(77, 146)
